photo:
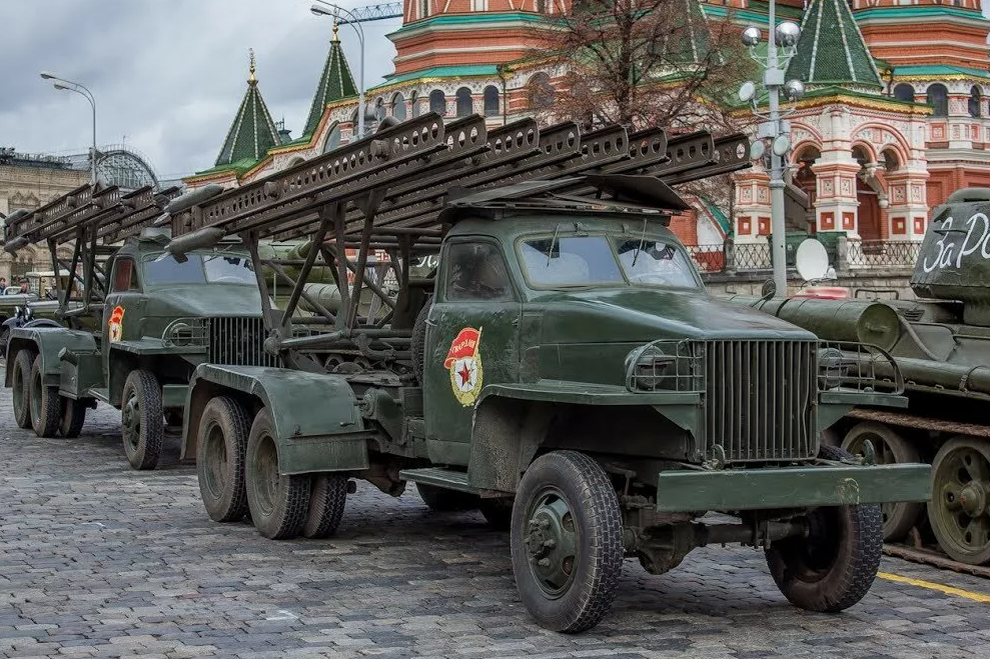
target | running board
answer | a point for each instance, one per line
(440, 477)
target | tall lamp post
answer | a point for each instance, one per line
(68, 85)
(774, 128)
(319, 10)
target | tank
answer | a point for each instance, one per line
(941, 343)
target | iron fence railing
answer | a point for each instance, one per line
(708, 258)
(751, 256)
(881, 253)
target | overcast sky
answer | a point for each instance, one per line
(167, 74)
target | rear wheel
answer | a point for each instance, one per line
(220, 450)
(833, 565)
(279, 503)
(566, 541)
(72, 418)
(326, 505)
(20, 388)
(891, 448)
(959, 510)
(142, 420)
(46, 408)
(443, 500)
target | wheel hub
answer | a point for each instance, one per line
(550, 543)
(973, 498)
(130, 420)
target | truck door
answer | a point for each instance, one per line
(472, 341)
(122, 293)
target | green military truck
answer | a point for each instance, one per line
(562, 368)
(139, 319)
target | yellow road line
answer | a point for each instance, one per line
(948, 590)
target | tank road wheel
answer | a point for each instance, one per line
(220, 449)
(279, 504)
(72, 417)
(20, 388)
(833, 566)
(566, 541)
(441, 499)
(326, 505)
(891, 448)
(142, 420)
(960, 507)
(46, 409)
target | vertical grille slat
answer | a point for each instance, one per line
(234, 341)
(759, 399)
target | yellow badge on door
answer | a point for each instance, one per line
(116, 324)
(464, 363)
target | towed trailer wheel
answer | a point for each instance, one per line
(220, 450)
(72, 417)
(20, 388)
(566, 540)
(46, 408)
(279, 503)
(891, 448)
(833, 565)
(960, 507)
(142, 419)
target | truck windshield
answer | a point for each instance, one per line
(200, 269)
(597, 260)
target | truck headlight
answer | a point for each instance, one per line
(648, 368)
(179, 333)
(833, 368)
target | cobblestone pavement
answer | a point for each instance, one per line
(98, 560)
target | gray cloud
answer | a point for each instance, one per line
(168, 74)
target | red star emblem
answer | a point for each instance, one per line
(464, 373)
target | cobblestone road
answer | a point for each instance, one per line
(98, 560)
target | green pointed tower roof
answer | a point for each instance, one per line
(336, 83)
(831, 50)
(253, 132)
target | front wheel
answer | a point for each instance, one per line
(566, 540)
(833, 565)
(279, 503)
(142, 419)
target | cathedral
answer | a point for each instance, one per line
(895, 118)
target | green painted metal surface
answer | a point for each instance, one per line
(791, 487)
(831, 50)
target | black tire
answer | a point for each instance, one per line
(46, 406)
(220, 449)
(142, 419)
(327, 498)
(20, 388)
(279, 504)
(4, 340)
(834, 566)
(441, 499)
(417, 344)
(571, 592)
(891, 448)
(497, 512)
(72, 417)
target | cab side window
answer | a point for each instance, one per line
(476, 271)
(124, 276)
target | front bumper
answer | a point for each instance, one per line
(791, 487)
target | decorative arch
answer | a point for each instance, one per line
(332, 140)
(464, 103)
(937, 96)
(904, 92)
(438, 102)
(868, 150)
(801, 147)
(296, 160)
(490, 98)
(398, 104)
(900, 144)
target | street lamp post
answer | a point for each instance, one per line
(68, 85)
(356, 24)
(774, 128)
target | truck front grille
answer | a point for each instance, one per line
(238, 341)
(760, 399)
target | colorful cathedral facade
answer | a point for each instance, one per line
(896, 115)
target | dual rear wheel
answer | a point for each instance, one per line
(237, 462)
(38, 405)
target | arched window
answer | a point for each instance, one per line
(904, 92)
(491, 101)
(399, 107)
(414, 102)
(890, 160)
(438, 103)
(333, 140)
(463, 102)
(540, 91)
(974, 101)
(380, 109)
(938, 98)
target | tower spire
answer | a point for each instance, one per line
(253, 132)
(336, 83)
(252, 80)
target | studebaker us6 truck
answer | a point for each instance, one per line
(563, 369)
(139, 320)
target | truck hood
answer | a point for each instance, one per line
(206, 300)
(641, 315)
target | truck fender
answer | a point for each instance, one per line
(506, 434)
(318, 424)
(48, 342)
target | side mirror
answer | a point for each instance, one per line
(768, 291)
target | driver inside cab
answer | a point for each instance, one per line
(479, 273)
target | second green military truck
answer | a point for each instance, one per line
(562, 369)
